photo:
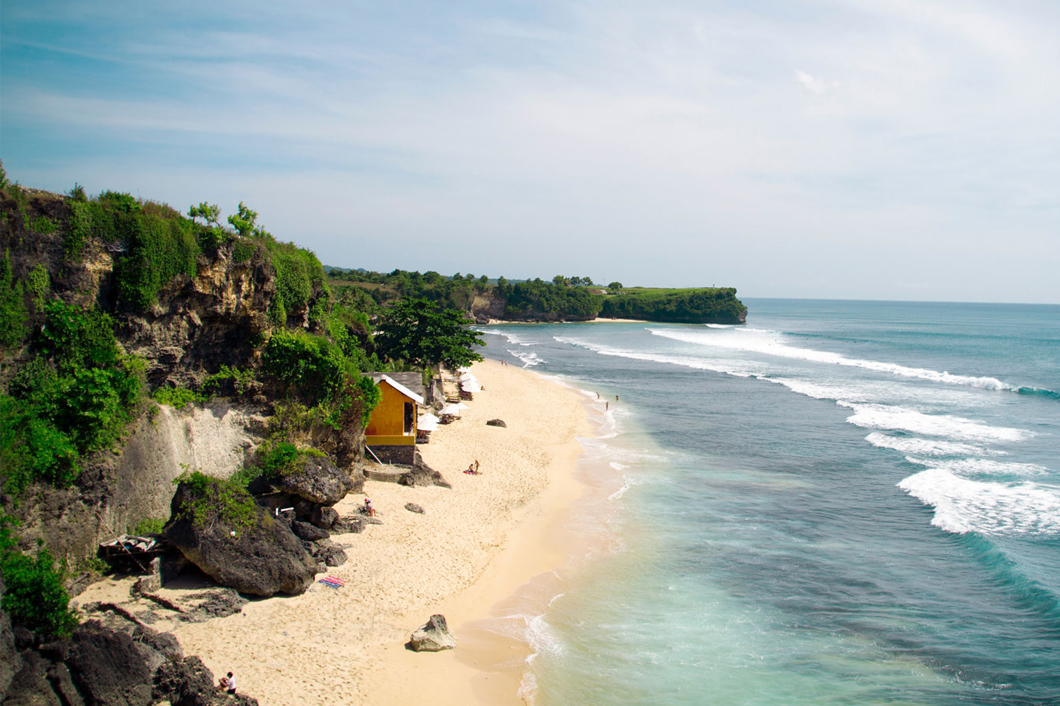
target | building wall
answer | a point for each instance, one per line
(388, 418)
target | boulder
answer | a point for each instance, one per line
(333, 556)
(319, 481)
(107, 668)
(31, 687)
(324, 517)
(432, 637)
(413, 507)
(308, 532)
(189, 682)
(496, 423)
(350, 523)
(256, 555)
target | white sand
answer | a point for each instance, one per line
(475, 546)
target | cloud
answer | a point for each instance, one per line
(656, 144)
(816, 84)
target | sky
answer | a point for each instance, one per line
(863, 149)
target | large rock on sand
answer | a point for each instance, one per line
(237, 543)
(432, 637)
(319, 481)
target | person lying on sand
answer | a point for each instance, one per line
(472, 469)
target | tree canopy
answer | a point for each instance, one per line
(415, 332)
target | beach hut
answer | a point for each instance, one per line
(391, 431)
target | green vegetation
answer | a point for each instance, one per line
(284, 458)
(44, 225)
(73, 397)
(12, 306)
(35, 596)
(316, 371)
(703, 305)
(178, 397)
(415, 332)
(545, 300)
(39, 286)
(149, 525)
(210, 498)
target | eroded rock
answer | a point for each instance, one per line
(257, 556)
(432, 637)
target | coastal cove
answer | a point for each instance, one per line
(475, 545)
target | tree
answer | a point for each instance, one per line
(560, 281)
(245, 222)
(614, 287)
(209, 212)
(413, 331)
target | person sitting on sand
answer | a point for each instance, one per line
(228, 683)
(471, 470)
(368, 509)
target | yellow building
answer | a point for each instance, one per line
(393, 421)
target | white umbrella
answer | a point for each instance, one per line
(427, 422)
(453, 409)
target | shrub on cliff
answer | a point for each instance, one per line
(74, 397)
(34, 593)
(12, 306)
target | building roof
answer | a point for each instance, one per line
(388, 378)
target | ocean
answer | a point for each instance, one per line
(838, 503)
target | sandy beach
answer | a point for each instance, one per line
(475, 545)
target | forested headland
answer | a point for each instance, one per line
(561, 299)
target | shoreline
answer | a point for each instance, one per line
(597, 320)
(477, 545)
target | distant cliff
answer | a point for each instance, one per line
(538, 300)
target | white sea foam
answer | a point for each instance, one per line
(735, 368)
(981, 466)
(963, 505)
(513, 338)
(929, 447)
(529, 359)
(876, 416)
(771, 343)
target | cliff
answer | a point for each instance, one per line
(187, 304)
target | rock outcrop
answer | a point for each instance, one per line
(320, 481)
(496, 423)
(120, 663)
(258, 555)
(432, 637)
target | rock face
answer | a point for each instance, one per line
(117, 664)
(260, 558)
(432, 637)
(496, 423)
(320, 481)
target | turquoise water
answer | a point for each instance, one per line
(838, 503)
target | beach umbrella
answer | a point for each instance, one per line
(453, 409)
(427, 422)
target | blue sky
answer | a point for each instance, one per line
(862, 149)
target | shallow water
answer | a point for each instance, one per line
(841, 502)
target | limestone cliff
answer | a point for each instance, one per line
(195, 324)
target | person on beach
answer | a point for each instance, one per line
(368, 509)
(472, 469)
(607, 406)
(228, 684)
(476, 465)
